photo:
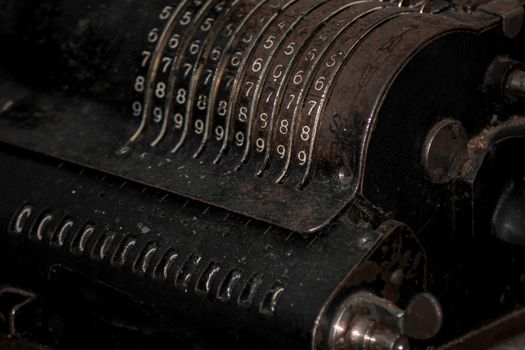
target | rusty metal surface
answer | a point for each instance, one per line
(506, 333)
(8, 343)
(307, 162)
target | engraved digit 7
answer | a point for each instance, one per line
(147, 56)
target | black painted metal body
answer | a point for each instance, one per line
(139, 202)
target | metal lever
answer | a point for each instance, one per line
(367, 322)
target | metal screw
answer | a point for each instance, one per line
(516, 84)
(367, 322)
(444, 150)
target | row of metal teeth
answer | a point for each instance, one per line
(424, 6)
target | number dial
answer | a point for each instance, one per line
(322, 93)
(240, 44)
(256, 69)
(251, 95)
(150, 63)
(285, 113)
(207, 71)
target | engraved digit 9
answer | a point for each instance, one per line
(199, 126)
(239, 139)
(219, 133)
(302, 157)
(260, 145)
(281, 150)
(157, 114)
(137, 108)
(178, 120)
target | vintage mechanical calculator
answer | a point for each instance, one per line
(295, 174)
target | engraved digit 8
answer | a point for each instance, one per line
(223, 108)
(160, 91)
(284, 126)
(243, 114)
(305, 134)
(139, 83)
(181, 96)
(202, 103)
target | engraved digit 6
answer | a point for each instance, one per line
(298, 78)
(319, 84)
(174, 41)
(195, 47)
(153, 36)
(257, 65)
